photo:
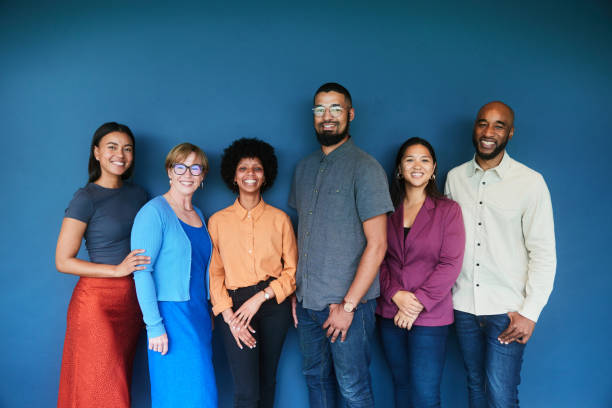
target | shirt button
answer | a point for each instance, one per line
(480, 202)
(310, 212)
(321, 171)
(250, 251)
(478, 284)
(316, 191)
(478, 243)
(476, 264)
(484, 182)
(308, 233)
(305, 255)
(480, 223)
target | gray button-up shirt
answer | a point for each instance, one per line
(333, 195)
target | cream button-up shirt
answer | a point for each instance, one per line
(510, 261)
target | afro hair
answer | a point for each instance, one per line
(248, 148)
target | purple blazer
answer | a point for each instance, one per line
(426, 263)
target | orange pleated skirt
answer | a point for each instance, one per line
(103, 325)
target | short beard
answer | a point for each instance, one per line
(330, 139)
(500, 148)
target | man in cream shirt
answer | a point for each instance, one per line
(509, 264)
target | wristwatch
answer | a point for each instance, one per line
(348, 307)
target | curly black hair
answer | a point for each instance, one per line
(248, 148)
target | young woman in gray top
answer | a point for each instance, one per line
(104, 320)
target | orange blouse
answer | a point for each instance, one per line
(250, 247)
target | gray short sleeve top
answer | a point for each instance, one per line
(333, 195)
(109, 214)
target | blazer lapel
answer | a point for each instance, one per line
(395, 231)
(420, 222)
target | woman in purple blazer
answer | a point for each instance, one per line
(426, 240)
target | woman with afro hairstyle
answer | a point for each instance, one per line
(252, 272)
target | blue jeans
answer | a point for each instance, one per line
(493, 369)
(416, 358)
(345, 365)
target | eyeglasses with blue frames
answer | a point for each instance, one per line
(335, 110)
(181, 168)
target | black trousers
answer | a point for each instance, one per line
(254, 370)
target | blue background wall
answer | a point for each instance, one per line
(212, 73)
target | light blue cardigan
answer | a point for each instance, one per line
(158, 231)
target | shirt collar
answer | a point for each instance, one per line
(501, 170)
(255, 212)
(339, 151)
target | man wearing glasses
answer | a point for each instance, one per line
(342, 198)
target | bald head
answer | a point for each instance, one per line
(493, 128)
(502, 108)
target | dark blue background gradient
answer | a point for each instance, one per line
(211, 73)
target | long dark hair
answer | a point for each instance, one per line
(94, 166)
(397, 187)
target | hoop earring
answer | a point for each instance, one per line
(398, 175)
(433, 177)
(202, 185)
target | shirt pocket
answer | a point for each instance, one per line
(336, 203)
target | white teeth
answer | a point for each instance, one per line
(186, 183)
(250, 181)
(416, 174)
(118, 163)
(487, 144)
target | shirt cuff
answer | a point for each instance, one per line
(278, 291)
(220, 307)
(530, 310)
(156, 330)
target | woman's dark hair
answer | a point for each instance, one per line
(397, 187)
(94, 165)
(248, 148)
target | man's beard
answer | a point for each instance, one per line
(498, 149)
(330, 139)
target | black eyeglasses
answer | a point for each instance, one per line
(181, 168)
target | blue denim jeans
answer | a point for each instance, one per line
(416, 358)
(344, 365)
(493, 369)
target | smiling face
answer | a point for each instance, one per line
(331, 130)
(493, 128)
(186, 184)
(115, 153)
(417, 166)
(249, 176)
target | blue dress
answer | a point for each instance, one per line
(184, 377)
